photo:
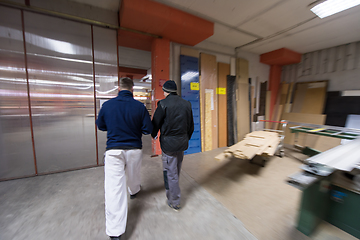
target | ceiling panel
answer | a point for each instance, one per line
(265, 18)
(112, 5)
(283, 23)
(229, 37)
(283, 16)
(230, 12)
(318, 34)
(180, 3)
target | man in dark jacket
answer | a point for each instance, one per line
(173, 116)
(125, 120)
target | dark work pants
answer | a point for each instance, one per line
(172, 167)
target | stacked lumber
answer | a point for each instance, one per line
(254, 143)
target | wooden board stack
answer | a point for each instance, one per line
(254, 143)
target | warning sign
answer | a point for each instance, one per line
(194, 86)
(221, 91)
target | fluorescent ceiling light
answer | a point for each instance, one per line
(189, 75)
(146, 78)
(331, 7)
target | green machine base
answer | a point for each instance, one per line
(314, 206)
(323, 201)
(345, 210)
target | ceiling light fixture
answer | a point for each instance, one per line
(330, 7)
(146, 78)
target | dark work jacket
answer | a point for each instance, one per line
(125, 120)
(173, 116)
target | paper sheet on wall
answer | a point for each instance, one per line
(211, 91)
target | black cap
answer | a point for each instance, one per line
(169, 86)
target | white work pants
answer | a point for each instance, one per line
(120, 165)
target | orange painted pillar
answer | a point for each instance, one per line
(160, 69)
(276, 59)
(274, 83)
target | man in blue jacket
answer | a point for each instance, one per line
(125, 120)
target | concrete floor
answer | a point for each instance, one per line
(221, 200)
(70, 205)
(258, 196)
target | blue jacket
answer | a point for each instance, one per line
(125, 120)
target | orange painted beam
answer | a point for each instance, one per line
(133, 70)
(134, 40)
(282, 56)
(170, 23)
(160, 70)
(274, 83)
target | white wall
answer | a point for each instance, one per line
(174, 73)
(134, 58)
(257, 70)
(223, 54)
(340, 65)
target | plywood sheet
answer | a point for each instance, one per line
(243, 117)
(290, 93)
(314, 99)
(302, 118)
(284, 93)
(223, 71)
(209, 95)
(276, 111)
(253, 103)
(220, 157)
(202, 117)
(243, 108)
(242, 70)
(299, 97)
(189, 52)
(262, 100)
(325, 143)
(267, 108)
(287, 108)
(278, 116)
(208, 80)
(310, 97)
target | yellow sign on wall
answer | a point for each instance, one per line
(194, 86)
(221, 91)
